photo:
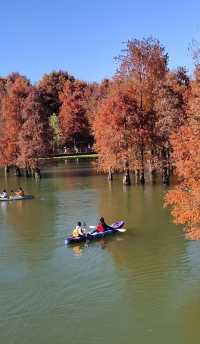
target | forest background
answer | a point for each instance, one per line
(144, 121)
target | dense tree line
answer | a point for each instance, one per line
(142, 122)
(145, 104)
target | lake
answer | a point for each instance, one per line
(142, 286)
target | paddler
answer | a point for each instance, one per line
(77, 231)
(20, 192)
(4, 194)
(102, 226)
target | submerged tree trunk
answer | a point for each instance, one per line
(153, 176)
(126, 177)
(27, 172)
(137, 176)
(17, 171)
(110, 175)
(166, 175)
(37, 173)
(152, 170)
(142, 178)
(6, 170)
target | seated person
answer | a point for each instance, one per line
(77, 232)
(4, 194)
(19, 192)
(12, 194)
(102, 226)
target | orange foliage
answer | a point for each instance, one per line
(73, 113)
(125, 120)
(118, 129)
(16, 90)
(185, 198)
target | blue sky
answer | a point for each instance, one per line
(82, 37)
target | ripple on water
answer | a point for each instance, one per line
(144, 280)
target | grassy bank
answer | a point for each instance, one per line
(72, 156)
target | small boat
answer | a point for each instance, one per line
(15, 198)
(73, 240)
(116, 228)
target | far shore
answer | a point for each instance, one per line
(72, 156)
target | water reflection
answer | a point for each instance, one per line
(141, 285)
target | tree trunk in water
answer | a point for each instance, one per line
(27, 172)
(6, 170)
(152, 170)
(126, 178)
(137, 176)
(166, 175)
(110, 176)
(37, 173)
(153, 176)
(142, 179)
(17, 172)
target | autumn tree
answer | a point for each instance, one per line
(170, 114)
(73, 113)
(16, 90)
(95, 93)
(143, 64)
(184, 199)
(118, 130)
(50, 87)
(35, 134)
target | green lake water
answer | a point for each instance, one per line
(139, 287)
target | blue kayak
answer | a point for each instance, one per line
(15, 198)
(95, 235)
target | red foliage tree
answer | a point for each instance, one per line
(35, 134)
(143, 64)
(16, 89)
(185, 197)
(50, 87)
(73, 113)
(170, 109)
(120, 130)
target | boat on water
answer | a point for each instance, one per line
(15, 198)
(116, 228)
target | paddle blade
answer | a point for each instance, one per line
(122, 230)
(92, 226)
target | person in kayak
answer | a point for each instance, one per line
(12, 194)
(77, 231)
(102, 226)
(4, 194)
(19, 192)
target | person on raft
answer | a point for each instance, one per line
(78, 231)
(4, 194)
(102, 226)
(19, 192)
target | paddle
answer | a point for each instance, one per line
(122, 230)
